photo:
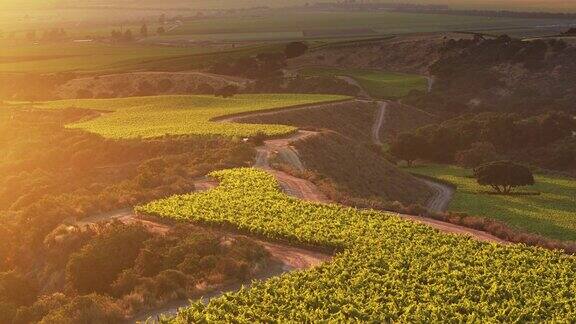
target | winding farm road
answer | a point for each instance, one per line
(291, 257)
(442, 195)
(379, 122)
(308, 191)
(363, 94)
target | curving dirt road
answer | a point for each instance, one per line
(379, 122)
(291, 185)
(289, 257)
(306, 190)
(363, 94)
(442, 193)
(442, 196)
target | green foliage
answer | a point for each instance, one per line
(479, 153)
(551, 213)
(389, 269)
(295, 49)
(544, 139)
(377, 83)
(16, 289)
(408, 147)
(96, 265)
(86, 309)
(148, 117)
(503, 176)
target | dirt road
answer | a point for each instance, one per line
(288, 258)
(443, 194)
(379, 122)
(291, 185)
(306, 190)
(363, 94)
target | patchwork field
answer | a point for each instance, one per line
(98, 57)
(552, 213)
(156, 116)
(388, 270)
(378, 84)
(282, 21)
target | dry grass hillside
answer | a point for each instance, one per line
(404, 118)
(359, 172)
(144, 83)
(407, 54)
(352, 119)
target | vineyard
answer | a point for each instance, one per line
(148, 117)
(547, 208)
(389, 270)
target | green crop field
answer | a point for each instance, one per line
(552, 213)
(148, 117)
(85, 57)
(377, 83)
(282, 21)
(389, 270)
(106, 58)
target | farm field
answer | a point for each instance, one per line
(106, 58)
(388, 270)
(156, 116)
(285, 20)
(89, 57)
(550, 214)
(378, 84)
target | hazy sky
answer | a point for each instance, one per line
(552, 5)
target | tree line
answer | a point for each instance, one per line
(471, 140)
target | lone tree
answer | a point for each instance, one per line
(408, 147)
(295, 49)
(503, 176)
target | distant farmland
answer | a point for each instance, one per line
(293, 23)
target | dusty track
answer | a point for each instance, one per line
(442, 193)
(379, 122)
(306, 190)
(362, 94)
(442, 196)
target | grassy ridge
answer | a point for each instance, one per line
(550, 214)
(156, 116)
(378, 84)
(390, 270)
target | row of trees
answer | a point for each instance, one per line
(474, 139)
(129, 36)
(261, 66)
(53, 35)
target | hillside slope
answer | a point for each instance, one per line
(352, 119)
(407, 54)
(356, 170)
